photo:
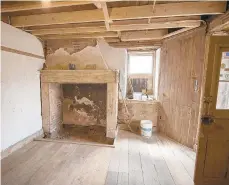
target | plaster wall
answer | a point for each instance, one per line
(20, 86)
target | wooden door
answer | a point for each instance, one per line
(212, 163)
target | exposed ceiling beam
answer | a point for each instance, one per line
(168, 9)
(133, 12)
(156, 20)
(58, 18)
(36, 5)
(219, 23)
(112, 39)
(55, 27)
(164, 25)
(74, 25)
(114, 27)
(80, 36)
(142, 50)
(151, 26)
(106, 15)
(143, 35)
(177, 32)
(97, 4)
(135, 44)
(24, 6)
(63, 31)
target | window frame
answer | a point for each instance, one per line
(151, 76)
(140, 54)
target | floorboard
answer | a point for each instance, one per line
(177, 170)
(134, 160)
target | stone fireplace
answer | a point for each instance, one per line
(80, 97)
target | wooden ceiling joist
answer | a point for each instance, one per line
(176, 32)
(73, 25)
(156, 20)
(114, 27)
(112, 39)
(124, 25)
(58, 18)
(63, 31)
(27, 6)
(37, 5)
(167, 10)
(162, 25)
(152, 26)
(136, 44)
(80, 36)
(142, 50)
(220, 23)
(133, 12)
(106, 15)
(97, 4)
(143, 35)
(120, 22)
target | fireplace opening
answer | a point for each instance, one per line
(84, 104)
(78, 112)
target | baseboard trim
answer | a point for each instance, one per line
(20, 144)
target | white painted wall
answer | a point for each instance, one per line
(20, 86)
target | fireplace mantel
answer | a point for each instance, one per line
(111, 78)
(79, 76)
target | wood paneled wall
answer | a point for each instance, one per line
(181, 68)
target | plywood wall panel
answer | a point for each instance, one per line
(181, 64)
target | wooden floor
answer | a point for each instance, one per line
(134, 161)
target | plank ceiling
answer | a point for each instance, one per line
(128, 24)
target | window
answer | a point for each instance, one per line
(223, 87)
(140, 64)
(140, 74)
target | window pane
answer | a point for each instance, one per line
(140, 64)
(223, 88)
